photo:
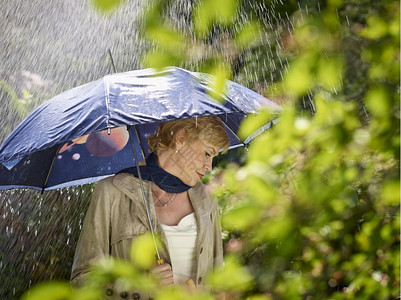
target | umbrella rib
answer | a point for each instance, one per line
(50, 169)
(260, 131)
(145, 199)
(233, 133)
(107, 100)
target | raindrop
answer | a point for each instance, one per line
(334, 89)
(346, 17)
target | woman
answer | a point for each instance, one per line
(183, 214)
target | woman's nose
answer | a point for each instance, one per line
(208, 164)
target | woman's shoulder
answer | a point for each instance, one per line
(201, 195)
(124, 178)
(119, 182)
(199, 188)
(128, 183)
(117, 179)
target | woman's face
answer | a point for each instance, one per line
(195, 160)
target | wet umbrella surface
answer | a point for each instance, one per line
(90, 132)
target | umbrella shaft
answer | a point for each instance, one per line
(145, 199)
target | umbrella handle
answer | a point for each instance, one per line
(191, 286)
(190, 283)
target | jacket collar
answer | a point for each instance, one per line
(130, 186)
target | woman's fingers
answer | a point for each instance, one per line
(165, 273)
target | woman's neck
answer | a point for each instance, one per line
(169, 162)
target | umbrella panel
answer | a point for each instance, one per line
(89, 158)
(80, 161)
(27, 172)
(63, 142)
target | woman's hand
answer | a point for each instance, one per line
(165, 273)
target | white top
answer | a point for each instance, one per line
(181, 240)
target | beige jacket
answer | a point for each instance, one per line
(117, 214)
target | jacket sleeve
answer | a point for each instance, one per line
(218, 241)
(94, 240)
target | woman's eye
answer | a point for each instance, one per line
(207, 154)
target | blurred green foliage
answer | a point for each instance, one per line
(107, 6)
(314, 211)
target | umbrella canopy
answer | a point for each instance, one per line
(91, 132)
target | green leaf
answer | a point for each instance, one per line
(224, 10)
(376, 28)
(221, 73)
(209, 12)
(109, 269)
(19, 105)
(276, 227)
(241, 218)
(151, 15)
(254, 122)
(232, 276)
(202, 20)
(335, 3)
(87, 293)
(248, 35)
(293, 285)
(160, 59)
(166, 37)
(259, 297)
(378, 101)
(50, 291)
(390, 193)
(330, 72)
(300, 76)
(143, 251)
(107, 5)
(261, 193)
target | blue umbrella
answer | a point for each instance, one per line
(97, 129)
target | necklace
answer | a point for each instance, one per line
(164, 203)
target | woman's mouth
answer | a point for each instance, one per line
(200, 175)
